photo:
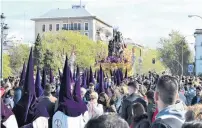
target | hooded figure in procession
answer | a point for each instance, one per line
(8, 119)
(71, 109)
(28, 98)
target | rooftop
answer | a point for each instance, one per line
(198, 31)
(74, 12)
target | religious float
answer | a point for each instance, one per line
(119, 57)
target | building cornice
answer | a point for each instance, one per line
(83, 17)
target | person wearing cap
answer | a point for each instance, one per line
(198, 98)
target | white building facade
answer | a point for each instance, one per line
(75, 19)
(198, 51)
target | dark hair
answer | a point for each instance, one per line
(138, 109)
(134, 84)
(91, 84)
(107, 121)
(199, 88)
(150, 94)
(106, 99)
(189, 116)
(47, 89)
(193, 124)
(167, 87)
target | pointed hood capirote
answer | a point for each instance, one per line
(39, 90)
(111, 73)
(22, 76)
(22, 108)
(118, 77)
(87, 78)
(126, 74)
(95, 74)
(84, 80)
(67, 104)
(121, 74)
(51, 76)
(91, 76)
(74, 75)
(71, 77)
(77, 90)
(101, 81)
(43, 83)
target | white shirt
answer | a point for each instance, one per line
(60, 120)
(11, 122)
(94, 110)
(40, 122)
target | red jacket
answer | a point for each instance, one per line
(154, 115)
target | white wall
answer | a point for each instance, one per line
(39, 24)
(198, 54)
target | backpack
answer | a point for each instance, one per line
(167, 123)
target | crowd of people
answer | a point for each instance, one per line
(68, 101)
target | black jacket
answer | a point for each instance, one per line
(167, 123)
(141, 122)
(126, 112)
(194, 100)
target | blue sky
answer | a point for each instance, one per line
(145, 21)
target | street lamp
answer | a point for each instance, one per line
(4, 28)
(190, 16)
(183, 40)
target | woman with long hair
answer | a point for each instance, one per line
(140, 118)
(105, 101)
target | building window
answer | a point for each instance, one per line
(71, 26)
(86, 26)
(86, 34)
(64, 26)
(67, 28)
(75, 26)
(43, 28)
(50, 27)
(57, 27)
(79, 26)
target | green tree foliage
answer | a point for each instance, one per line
(37, 52)
(48, 60)
(147, 55)
(65, 42)
(170, 50)
(18, 55)
(6, 66)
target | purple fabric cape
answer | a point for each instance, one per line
(67, 104)
(23, 73)
(101, 81)
(5, 113)
(43, 83)
(38, 88)
(22, 108)
(91, 76)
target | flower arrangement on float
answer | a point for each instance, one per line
(114, 62)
